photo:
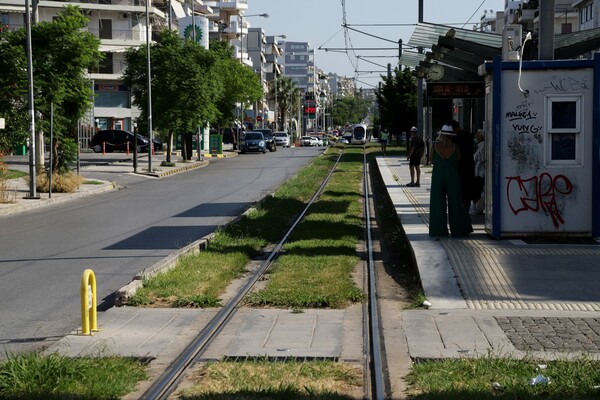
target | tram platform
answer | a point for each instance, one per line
(485, 296)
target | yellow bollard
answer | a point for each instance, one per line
(89, 316)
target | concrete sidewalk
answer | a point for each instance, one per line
(503, 297)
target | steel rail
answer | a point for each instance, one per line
(167, 382)
(375, 350)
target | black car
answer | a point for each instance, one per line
(269, 139)
(117, 140)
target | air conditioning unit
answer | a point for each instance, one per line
(124, 16)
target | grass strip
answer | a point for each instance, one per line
(502, 378)
(34, 376)
(316, 268)
(268, 380)
(323, 250)
(11, 174)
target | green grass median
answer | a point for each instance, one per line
(315, 268)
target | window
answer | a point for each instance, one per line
(297, 47)
(105, 29)
(564, 128)
(106, 65)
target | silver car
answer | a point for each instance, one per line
(282, 139)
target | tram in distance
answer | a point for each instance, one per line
(359, 134)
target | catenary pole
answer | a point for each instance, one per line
(148, 72)
(32, 160)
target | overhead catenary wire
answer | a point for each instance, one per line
(351, 51)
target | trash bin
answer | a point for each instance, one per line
(20, 150)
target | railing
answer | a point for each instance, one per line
(115, 34)
(116, 67)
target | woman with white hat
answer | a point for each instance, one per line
(445, 201)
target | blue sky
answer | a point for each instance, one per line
(319, 23)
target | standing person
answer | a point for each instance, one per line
(445, 201)
(415, 154)
(479, 180)
(383, 139)
(466, 165)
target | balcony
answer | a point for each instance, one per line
(234, 5)
(111, 70)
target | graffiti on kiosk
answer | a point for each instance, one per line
(542, 193)
(524, 134)
(564, 85)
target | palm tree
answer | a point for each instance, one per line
(286, 93)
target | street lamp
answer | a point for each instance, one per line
(242, 17)
(148, 70)
(275, 71)
(241, 22)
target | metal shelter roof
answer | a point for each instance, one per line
(461, 51)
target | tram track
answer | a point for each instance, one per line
(373, 358)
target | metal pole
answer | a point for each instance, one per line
(170, 16)
(276, 120)
(51, 148)
(135, 148)
(32, 161)
(193, 23)
(150, 143)
(420, 83)
(546, 36)
(78, 146)
(400, 54)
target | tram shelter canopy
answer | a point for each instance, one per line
(461, 51)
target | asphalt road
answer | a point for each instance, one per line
(43, 253)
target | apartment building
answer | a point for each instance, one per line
(120, 25)
(588, 13)
(299, 64)
(525, 13)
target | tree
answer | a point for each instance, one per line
(240, 84)
(397, 100)
(62, 53)
(349, 110)
(184, 86)
(284, 90)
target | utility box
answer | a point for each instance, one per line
(20, 150)
(215, 144)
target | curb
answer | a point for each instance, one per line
(123, 294)
(176, 170)
(63, 197)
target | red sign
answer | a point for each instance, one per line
(258, 118)
(310, 110)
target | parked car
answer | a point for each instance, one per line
(253, 141)
(269, 139)
(117, 140)
(319, 140)
(308, 141)
(282, 139)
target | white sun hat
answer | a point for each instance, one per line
(447, 130)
